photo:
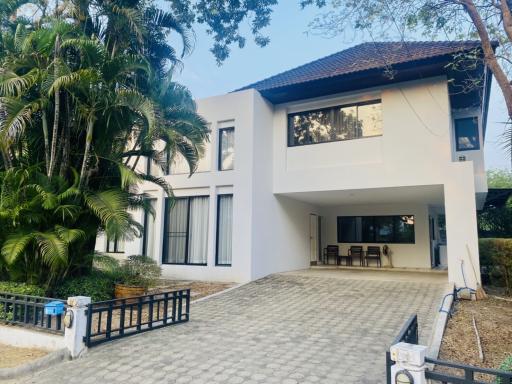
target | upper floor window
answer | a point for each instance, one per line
(466, 134)
(338, 123)
(226, 149)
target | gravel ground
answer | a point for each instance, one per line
(14, 356)
(493, 320)
(198, 289)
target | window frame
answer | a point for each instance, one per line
(166, 236)
(116, 246)
(455, 129)
(145, 224)
(374, 229)
(219, 149)
(217, 264)
(357, 104)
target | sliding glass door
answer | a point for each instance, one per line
(186, 231)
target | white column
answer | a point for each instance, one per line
(461, 228)
(410, 363)
(74, 334)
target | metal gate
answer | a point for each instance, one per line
(446, 371)
(113, 319)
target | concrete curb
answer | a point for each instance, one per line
(440, 321)
(219, 293)
(35, 365)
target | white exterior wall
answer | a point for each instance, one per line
(416, 149)
(271, 224)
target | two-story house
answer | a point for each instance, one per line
(380, 144)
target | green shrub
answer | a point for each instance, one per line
(496, 257)
(21, 288)
(99, 286)
(140, 271)
(505, 366)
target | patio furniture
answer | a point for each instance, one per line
(373, 253)
(331, 251)
(356, 251)
(348, 260)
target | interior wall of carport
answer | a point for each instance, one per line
(415, 255)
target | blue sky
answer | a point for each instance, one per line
(293, 44)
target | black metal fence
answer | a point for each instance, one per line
(447, 372)
(113, 319)
(29, 311)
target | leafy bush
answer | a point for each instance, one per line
(496, 257)
(21, 288)
(98, 285)
(138, 270)
(505, 366)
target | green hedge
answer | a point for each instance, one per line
(98, 285)
(21, 288)
(496, 260)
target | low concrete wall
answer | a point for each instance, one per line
(30, 338)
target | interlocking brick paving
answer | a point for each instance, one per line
(284, 328)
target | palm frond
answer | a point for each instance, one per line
(18, 116)
(138, 103)
(69, 235)
(15, 245)
(111, 208)
(12, 85)
(54, 251)
(133, 18)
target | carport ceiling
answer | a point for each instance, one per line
(426, 194)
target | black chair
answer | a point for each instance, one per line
(356, 251)
(373, 253)
(331, 251)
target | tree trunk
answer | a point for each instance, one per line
(490, 57)
(56, 116)
(87, 152)
(64, 165)
(46, 141)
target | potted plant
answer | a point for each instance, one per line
(135, 276)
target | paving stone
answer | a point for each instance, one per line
(281, 329)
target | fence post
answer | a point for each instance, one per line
(410, 363)
(76, 325)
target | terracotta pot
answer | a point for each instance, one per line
(122, 291)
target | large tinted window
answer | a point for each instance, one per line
(376, 229)
(466, 134)
(335, 124)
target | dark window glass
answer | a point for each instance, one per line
(404, 229)
(335, 124)
(384, 229)
(466, 134)
(376, 229)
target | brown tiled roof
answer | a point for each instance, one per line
(363, 57)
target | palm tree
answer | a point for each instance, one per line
(80, 104)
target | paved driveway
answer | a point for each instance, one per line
(287, 328)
